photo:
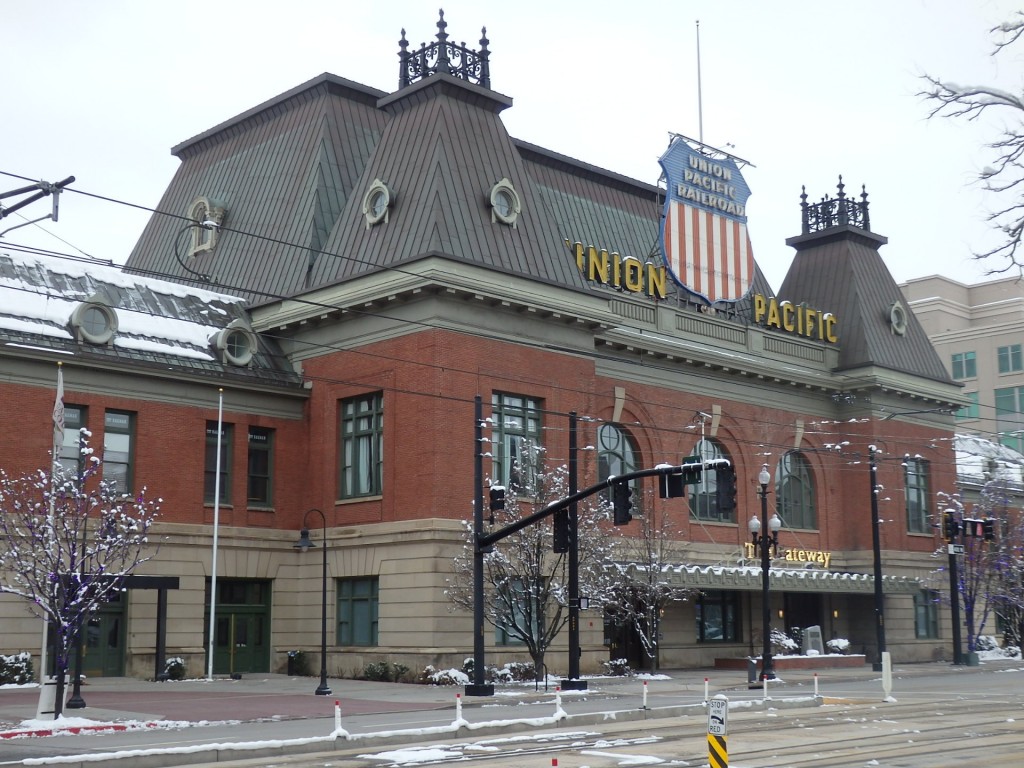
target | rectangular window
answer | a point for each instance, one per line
(969, 411)
(518, 608)
(70, 451)
(210, 480)
(515, 438)
(915, 474)
(1010, 359)
(964, 365)
(717, 615)
(261, 466)
(118, 445)
(357, 611)
(926, 614)
(362, 446)
(1009, 424)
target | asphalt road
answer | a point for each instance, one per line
(940, 716)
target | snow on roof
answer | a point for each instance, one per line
(978, 457)
(38, 295)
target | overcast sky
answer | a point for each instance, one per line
(804, 91)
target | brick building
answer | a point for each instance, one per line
(352, 268)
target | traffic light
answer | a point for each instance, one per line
(561, 533)
(497, 497)
(725, 489)
(989, 527)
(950, 527)
(497, 494)
(671, 486)
(973, 528)
(622, 503)
(692, 468)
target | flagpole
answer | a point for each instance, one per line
(58, 442)
(216, 524)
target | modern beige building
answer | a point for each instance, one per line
(978, 331)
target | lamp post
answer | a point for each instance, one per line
(303, 544)
(769, 540)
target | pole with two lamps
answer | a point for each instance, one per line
(768, 541)
(303, 544)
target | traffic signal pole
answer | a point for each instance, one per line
(484, 542)
(574, 683)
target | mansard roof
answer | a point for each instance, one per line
(166, 327)
(838, 267)
(292, 174)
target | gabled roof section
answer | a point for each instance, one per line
(160, 324)
(441, 154)
(282, 173)
(838, 269)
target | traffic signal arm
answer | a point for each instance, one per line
(485, 541)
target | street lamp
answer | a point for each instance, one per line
(303, 544)
(767, 541)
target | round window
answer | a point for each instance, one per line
(376, 203)
(95, 321)
(505, 204)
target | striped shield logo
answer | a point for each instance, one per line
(704, 225)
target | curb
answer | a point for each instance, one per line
(76, 729)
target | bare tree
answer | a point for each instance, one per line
(66, 543)
(526, 583)
(640, 588)
(1005, 177)
(978, 569)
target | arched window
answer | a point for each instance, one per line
(703, 496)
(616, 454)
(794, 492)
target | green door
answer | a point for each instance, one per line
(242, 641)
(104, 639)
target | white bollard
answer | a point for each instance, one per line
(558, 699)
(705, 690)
(458, 707)
(764, 688)
(815, 685)
(645, 695)
(339, 732)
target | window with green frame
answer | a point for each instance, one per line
(261, 466)
(718, 617)
(357, 611)
(515, 438)
(703, 496)
(916, 481)
(965, 365)
(926, 614)
(1009, 421)
(210, 474)
(1009, 358)
(362, 446)
(71, 449)
(522, 610)
(795, 494)
(969, 411)
(616, 455)
(118, 449)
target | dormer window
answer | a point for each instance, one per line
(235, 345)
(207, 219)
(94, 321)
(377, 203)
(505, 204)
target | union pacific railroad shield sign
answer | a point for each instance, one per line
(704, 224)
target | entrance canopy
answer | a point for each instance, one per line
(748, 578)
